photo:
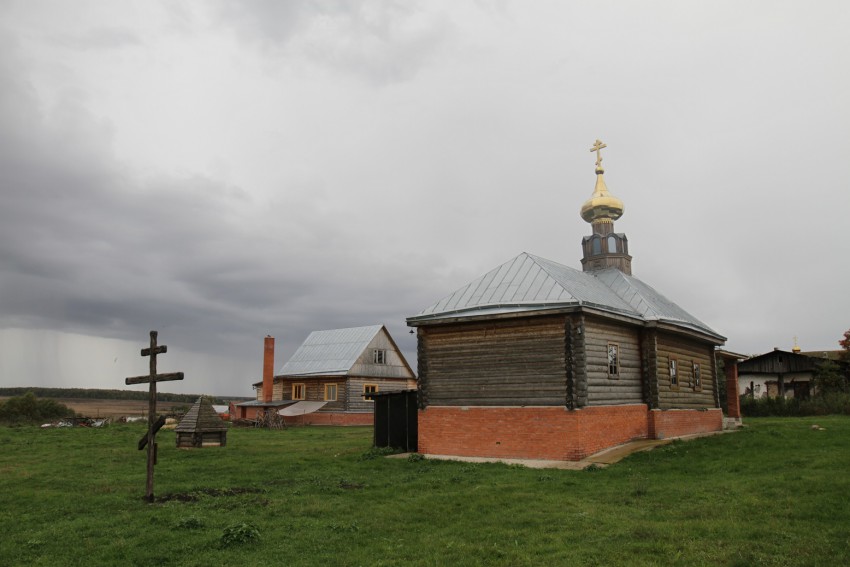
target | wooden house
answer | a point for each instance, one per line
(326, 379)
(780, 373)
(538, 360)
(201, 427)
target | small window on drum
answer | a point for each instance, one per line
(596, 246)
(612, 244)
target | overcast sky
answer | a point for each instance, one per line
(224, 170)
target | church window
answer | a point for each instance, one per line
(612, 244)
(379, 356)
(330, 392)
(370, 389)
(697, 378)
(595, 246)
(613, 360)
(674, 374)
(298, 391)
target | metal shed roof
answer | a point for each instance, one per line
(331, 352)
(530, 283)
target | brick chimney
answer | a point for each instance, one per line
(268, 369)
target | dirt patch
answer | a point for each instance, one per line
(117, 408)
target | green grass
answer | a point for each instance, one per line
(773, 494)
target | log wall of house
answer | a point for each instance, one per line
(498, 363)
(686, 352)
(314, 391)
(603, 389)
(356, 401)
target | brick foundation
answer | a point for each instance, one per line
(676, 423)
(330, 418)
(550, 433)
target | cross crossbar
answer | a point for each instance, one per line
(147, 379)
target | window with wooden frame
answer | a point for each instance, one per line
(613, 360)
(299, 391)
(379, 356)
(697, 377)
(330, 392)
(370, 389)
(674, 374)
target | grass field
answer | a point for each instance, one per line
(773, 494)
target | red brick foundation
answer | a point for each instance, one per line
(676, 423)
(328, 418)
(550, 433)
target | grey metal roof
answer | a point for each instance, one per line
(331, 352)
(529, 283)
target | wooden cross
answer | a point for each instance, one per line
(152, 379)
(597, 147)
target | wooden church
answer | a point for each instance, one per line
(538, 360)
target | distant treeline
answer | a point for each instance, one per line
(98, 394)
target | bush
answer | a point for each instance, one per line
(825, 404)
(238, 534)
(28, 409)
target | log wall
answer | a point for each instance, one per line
(356, 401)
(686, 352)
(519, 362)
(602, 388)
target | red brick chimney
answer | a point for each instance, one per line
(268, 369)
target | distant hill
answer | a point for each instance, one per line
(100, 394)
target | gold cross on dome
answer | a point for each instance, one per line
(597, 147)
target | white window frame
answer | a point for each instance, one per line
(379, 356)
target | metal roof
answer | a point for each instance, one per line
(530, 283)
(331, 352)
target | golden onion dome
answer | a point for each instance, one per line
(602, 204)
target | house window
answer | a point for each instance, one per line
(370, 389)
(330, 392)
(697, 378)
(379, 356)
(298, 391)
(613, 360)
(674, 374)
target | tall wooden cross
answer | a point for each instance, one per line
(597, 147)
(152, 379)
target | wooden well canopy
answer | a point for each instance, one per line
(201, 427)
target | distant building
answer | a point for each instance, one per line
(538, 360)
(325, 380)
(780, 373)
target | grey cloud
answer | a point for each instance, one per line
(100, 38)
(380, 42)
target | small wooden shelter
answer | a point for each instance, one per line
(201, 427)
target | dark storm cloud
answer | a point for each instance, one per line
(87, 246)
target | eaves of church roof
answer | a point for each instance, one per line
(528, 284)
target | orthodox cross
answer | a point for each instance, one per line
(597, 147)
(152, 379)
